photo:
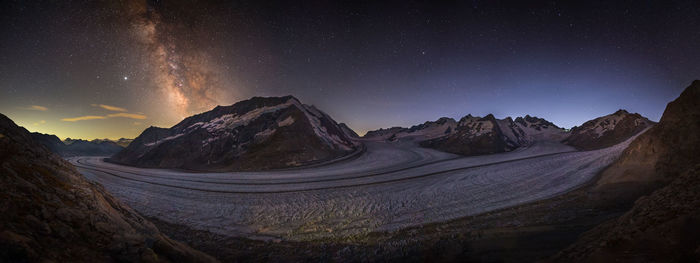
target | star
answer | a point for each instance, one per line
(126, 78)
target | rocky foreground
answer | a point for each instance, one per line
(51, 213)
(662, 226)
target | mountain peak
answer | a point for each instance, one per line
(489, 117)
(620, 112)
(607, 130)
(238, 135)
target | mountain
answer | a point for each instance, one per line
(662, 226)
(607, 131)
(476, 135)
(666, 150)
(123, 142)
(52, 142)
(91, 148)
(51, 213)
(348, 132)
(383, 134)
(259, 133)
(421, 132)
(76, 147)
(69, 141)
(473, 135)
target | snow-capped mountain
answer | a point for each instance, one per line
(421, 132)
(607, 130)
(259, 133)
(483, 135)
(473, 135)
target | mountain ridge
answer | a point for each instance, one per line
(255, 134)
(474, 135)
(77, 147)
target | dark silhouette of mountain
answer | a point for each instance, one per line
(255, 134)
(51, 213)
(52, 142)
(77, 147)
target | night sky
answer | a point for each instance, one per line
(109, 69)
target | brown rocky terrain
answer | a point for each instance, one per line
(663, 225)
(663, 152)
(51, 213)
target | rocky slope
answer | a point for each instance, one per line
(50, 141)
(259, 133)
(51, 213)
(348, 131)
(663, 152)
(607, 130)
(663, 225)
(476, 135)
(77, 147)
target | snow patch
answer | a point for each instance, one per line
(163, 140)
(230, 121)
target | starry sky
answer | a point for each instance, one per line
(110, 69)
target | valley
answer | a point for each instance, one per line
(390, 186)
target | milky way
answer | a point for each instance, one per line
(370, 64)
(180, 71)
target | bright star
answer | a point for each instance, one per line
(126, 78)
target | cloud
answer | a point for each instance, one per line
(114, 115)
(39, 123)
(84, 118)
(109, 108)
(127, 115)
(35, 107)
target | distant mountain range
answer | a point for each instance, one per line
(254, 134)
(72, 147)
(123, 142)
(473, 135)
